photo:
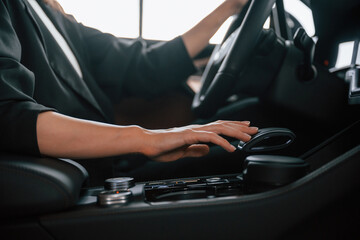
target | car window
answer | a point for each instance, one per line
(345, 52)
(119, 17)
(358, 55)
(161, 19)
(348, 54)
(299, 15)
(164, 19)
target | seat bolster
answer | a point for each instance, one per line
(33, 185)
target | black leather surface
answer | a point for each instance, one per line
(32, 186)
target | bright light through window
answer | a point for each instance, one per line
(162, 19)
(344, 54)
(166, 19)
(302, 13)
(267, 23)
(358, 56)
(119, 17)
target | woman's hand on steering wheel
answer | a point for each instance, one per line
(230, 58)
(237, 5)
(197, 38)
(190, 141)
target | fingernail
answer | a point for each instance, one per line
(233, 147)
(247, 122)
(255, 128)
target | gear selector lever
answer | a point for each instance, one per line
(268, 139)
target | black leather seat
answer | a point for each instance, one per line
(33, 186)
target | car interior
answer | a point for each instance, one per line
(299, 178)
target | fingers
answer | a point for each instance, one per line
(194, 137)
(172, 144)
(197, 150)
(170, 156)
(245, 123)
(239, 130)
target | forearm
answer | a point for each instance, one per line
(63, 136)
(198, 37)
(66, 137)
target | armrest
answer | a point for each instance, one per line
(34, 185)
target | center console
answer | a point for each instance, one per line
(261, 173)
(268, 198)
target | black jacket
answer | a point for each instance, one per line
(35, 75)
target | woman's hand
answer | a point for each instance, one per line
(172, 144)
(197, 38)
(66, 137)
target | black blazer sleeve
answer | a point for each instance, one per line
(18, 109)
(135, 67)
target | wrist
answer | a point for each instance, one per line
(147, 141)
(151, 141)
(132, 138)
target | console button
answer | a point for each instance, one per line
(213, 180)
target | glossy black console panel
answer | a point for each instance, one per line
(179, 191)
(265, 215)
(273, 170)
(261, 173)
(195, 188)
(182, 190)
(270, 213)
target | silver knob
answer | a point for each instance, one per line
(107, 198)
(120, 183)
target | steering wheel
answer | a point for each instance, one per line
(229, 58)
